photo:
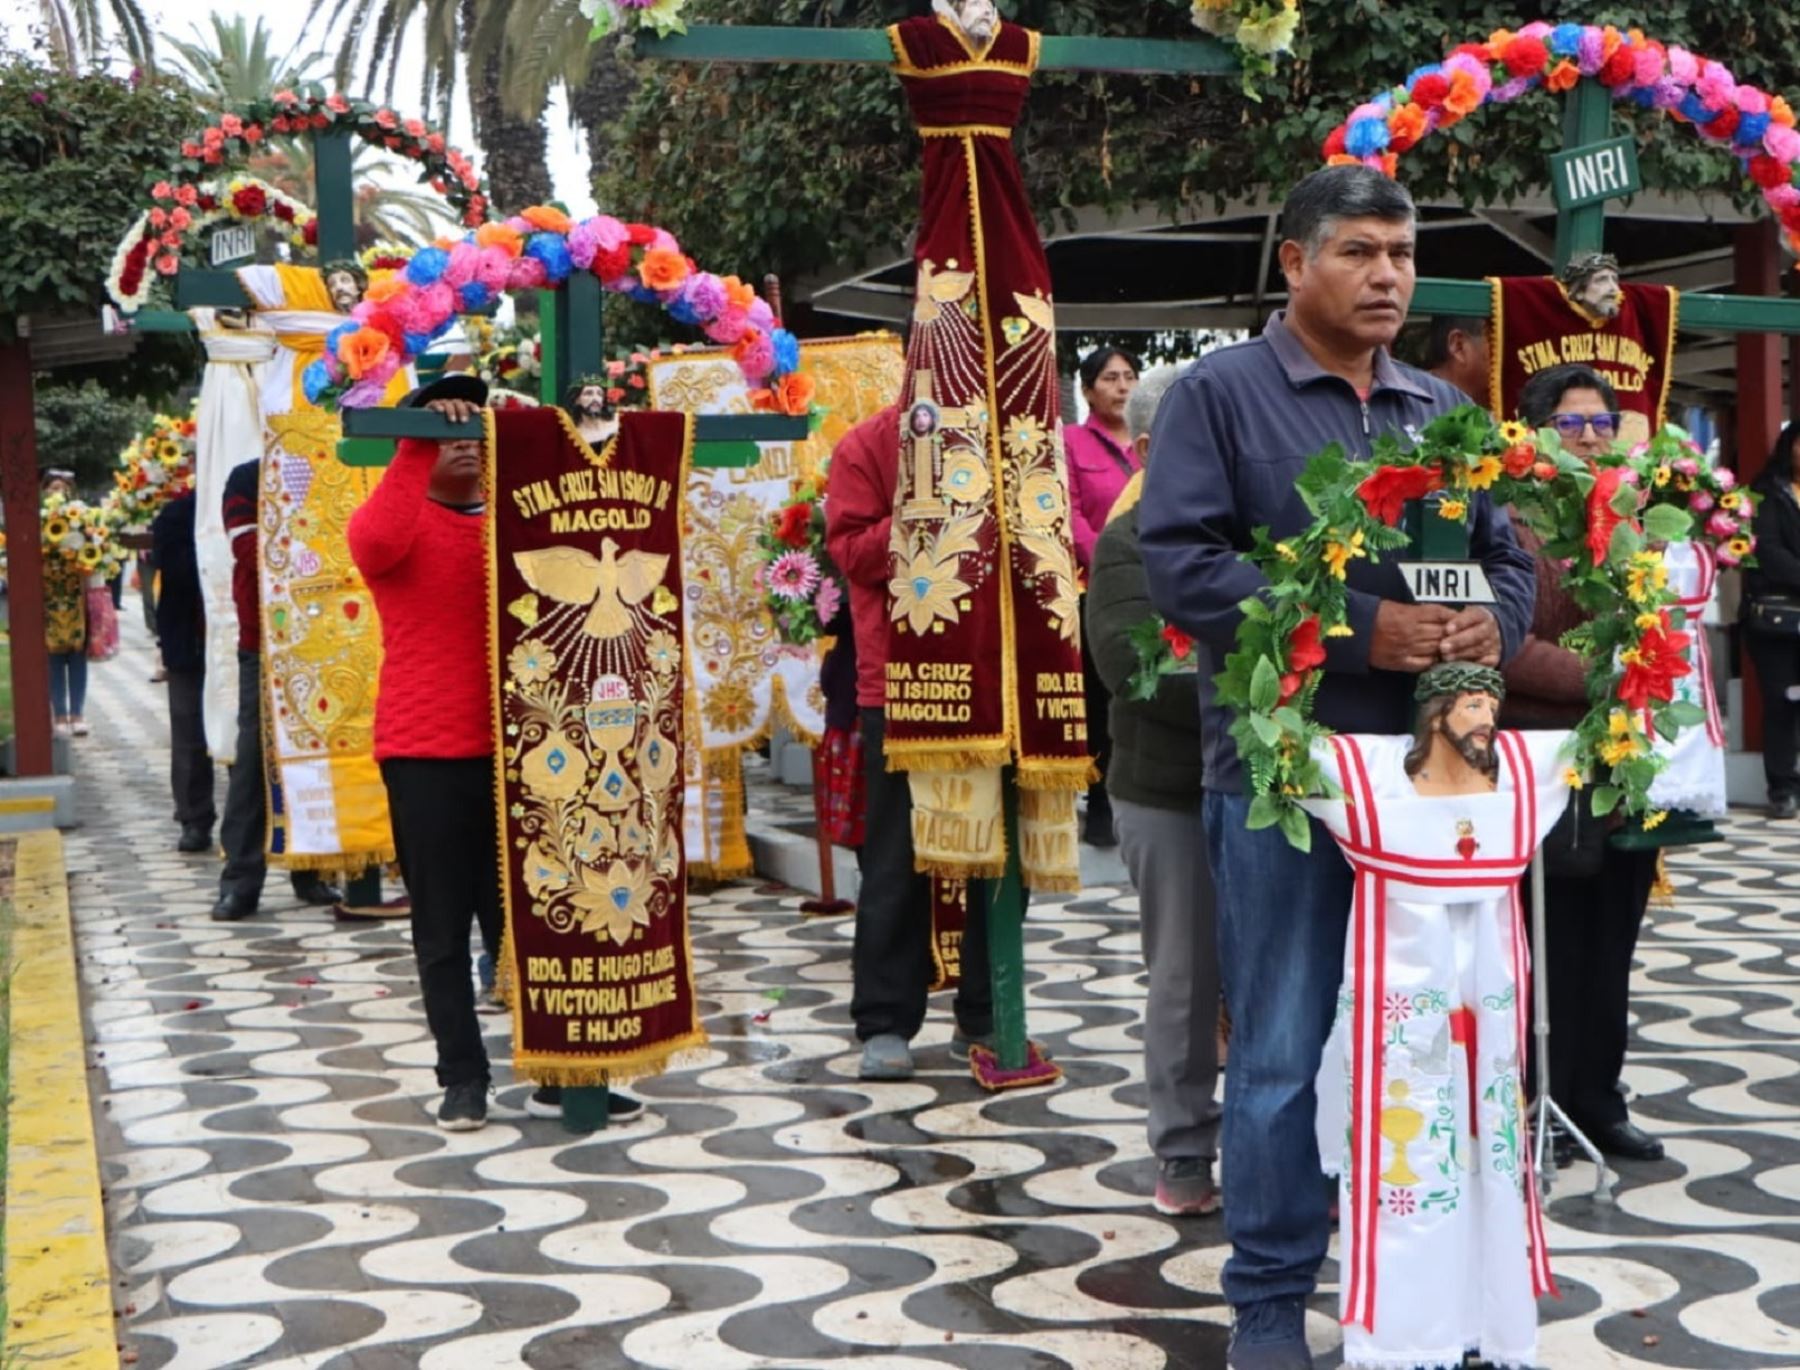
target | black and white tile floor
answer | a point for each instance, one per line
(279, 1196)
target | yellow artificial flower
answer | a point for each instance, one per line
(1286, 551)
(1340, 630)
(1618, 723)
(1654, 819)
(55, 529)
(1612, 753)
(1646, 575)
(1647, 621)
(1452, 509)
(1339, 555)
(1730, 500)
(1740, 547)
(1662, 476)
(1572, 778)
(1485, 473)
(1512, 432)
(89, 557)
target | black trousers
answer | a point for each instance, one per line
(1777, 662)
(446, 831)
(190, 765)
(1099, 720)
(1590, 934)
(243, 828)
(890, 965)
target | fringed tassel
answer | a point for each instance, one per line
(684, 1051)
(720, 872)
(1052, 882)
(1072, 774)
(1662, 893)
(946, 869)
(929, 756)
(345, 864)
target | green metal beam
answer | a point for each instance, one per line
(219, 289)
(417, 423)
(1701, 313)
(773, 43)
(550, 326)
(1587, 118)
(336, 192)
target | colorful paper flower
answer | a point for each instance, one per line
(793, 576)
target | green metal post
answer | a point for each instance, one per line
(1587, 118)
(584, 340)
(337, 196)
(550, 333)
(586, 1109)
(364, 892)
(1006, 943)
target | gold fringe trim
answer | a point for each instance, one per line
(347, 864)
(720, 871)
(781, 714)
(901, 757)
(1662, 892)
(1074, 774)
(593, 1072)
(1044, 882)
(959, 870)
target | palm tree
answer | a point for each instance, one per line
(512, 145)
(76, 31)
(233, 65)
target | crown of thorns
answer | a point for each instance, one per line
(1580, 268)
(1459, 678)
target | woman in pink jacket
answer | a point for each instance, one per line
(1100, 459)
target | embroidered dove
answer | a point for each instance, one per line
(610, 584)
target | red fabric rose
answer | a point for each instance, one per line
(1768, 172)
(310, 234)
(1386, 491)
(1525, 56)
(612, 263)
(1722, 127)
(1621, 69)
(283, 211)
(792, 524)
(1517, 461)
(1428, 91)
(250, 201)
(1180, 644)
(1661, 660)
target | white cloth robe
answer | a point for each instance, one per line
(1694, 778)
(228, 430)
(1444, 1253)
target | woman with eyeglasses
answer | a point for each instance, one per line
(1595, 894)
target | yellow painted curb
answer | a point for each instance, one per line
(58, 1278)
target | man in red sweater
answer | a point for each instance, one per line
(242, 829)
(419, 544)
(891, 959)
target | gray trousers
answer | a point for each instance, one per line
(1165, 851)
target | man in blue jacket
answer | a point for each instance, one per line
(1231, 438)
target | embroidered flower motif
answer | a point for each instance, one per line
(793, 575)
(927, 590)
(544, 872)
(729, 708)
(613, 901)
(531, 663)
(555, 768)
(1024, 436)
(965, 479)
(591, 836)
(1043, 500)
(1401, 1202)
(662, 652)
(1396, 1008)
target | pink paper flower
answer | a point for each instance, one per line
(1716, 85)
(1721, 525)
(728, 326)
(793, 575)
(828, 600)
(1782, 143)
(1686, 466)
(1726, 478)
(1683, 66)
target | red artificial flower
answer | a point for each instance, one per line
(641, 234)
(1334, 142)
(1525, 56)
(1305, 653)
(190, 149)
(283, 211)
(1385, 492)
(1602, 519)
(386, 118)
(1518, 461)
(792, 524)
(1621, 69)
(1654, 665)
(614, 395)
(612, 263)
(208, 202)
(1768, 172)
(231, 125)
(253, 134)
(250, 201)
(310, 234)
(1790, 218)
(186, 195)
(1479, 51)
(435, 142)
(1428, 91)
(1724, 126)
(1180, 644)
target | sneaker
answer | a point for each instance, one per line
(78, 726)
(622, 1108)
(1184, 1187)
(959, 1044)
(1270, 1335)
(545, 1102)
(886, 1056)
(488, 1002)
(464, 1108)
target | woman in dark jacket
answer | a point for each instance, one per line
(1776, 653)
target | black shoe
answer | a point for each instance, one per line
(464, 1108)
(545, 1102)
(311, 889)
(1626, 1141)
(232, 907)
(622, 1108)
(195, 838)
(1784, 806)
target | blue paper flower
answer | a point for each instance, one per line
(682, 311)
(427, 265)
(416, 343)
(787, 351)
(315, 380)
(1565, 40)
(338, 334)
(474, 296)
(553, 251)
(1366, 138)
(644, 295)
(1695, 110)
(1429, 69)
(1750, 130)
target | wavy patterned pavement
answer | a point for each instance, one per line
(279, 1197)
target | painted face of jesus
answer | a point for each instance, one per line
(591, 402)
(345, 293)
(978, 18)
(1469, 727)
(1600, 293)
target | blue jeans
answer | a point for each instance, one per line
(1282, 917)
(68, 684)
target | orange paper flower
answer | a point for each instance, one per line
(1563, 76)
(1406, 125)
(662, 269)
(792, 394)
(362, 350)
(385, 288)
(499, 235)
(1464, 97)
(1781, 112)
(547, 218)
(737, 294)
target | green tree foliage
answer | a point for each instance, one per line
(76, 30)
(83, 427)
(78, 155)
(759, 168)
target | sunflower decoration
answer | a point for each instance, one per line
(154, 468)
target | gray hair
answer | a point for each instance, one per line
(1315, 206)
(1146, 395)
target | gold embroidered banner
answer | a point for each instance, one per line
(585, 598)
(321, 640)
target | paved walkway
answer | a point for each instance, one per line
(279, 1197)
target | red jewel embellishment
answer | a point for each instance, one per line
(1466, 845)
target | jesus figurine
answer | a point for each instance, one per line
(1421, 1098)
